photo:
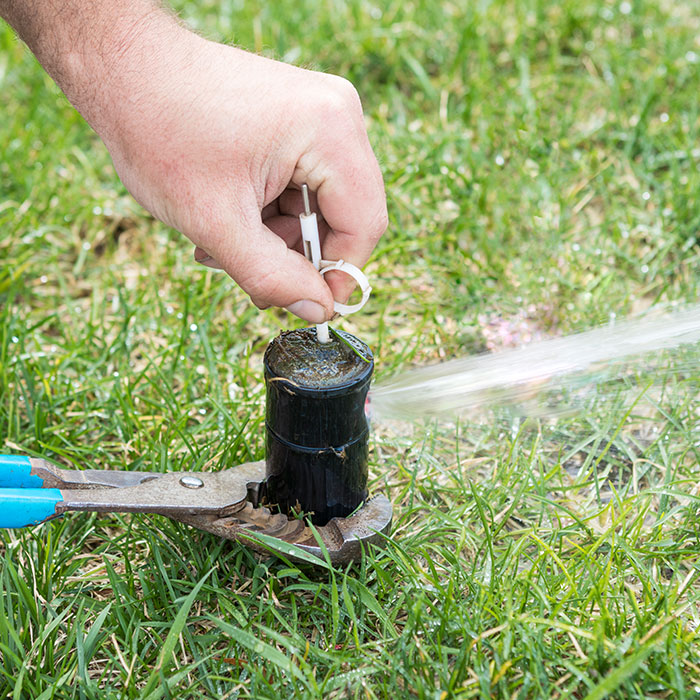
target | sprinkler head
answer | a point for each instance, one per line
(317, 430)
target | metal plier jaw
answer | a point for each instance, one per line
(225, 503)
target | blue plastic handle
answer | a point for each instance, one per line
(22, 500)
(23, 507)
(14, 473)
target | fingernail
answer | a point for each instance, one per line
(200, 255)
(308, 310)
(203, 258)
(209, 262)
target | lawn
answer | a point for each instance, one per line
(541, 164)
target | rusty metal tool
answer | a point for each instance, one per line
(226, 503)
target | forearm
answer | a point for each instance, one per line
(97, 51)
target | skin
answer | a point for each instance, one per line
(216, 142)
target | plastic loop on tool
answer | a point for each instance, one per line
(357, 275)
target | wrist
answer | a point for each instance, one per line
(112, 76)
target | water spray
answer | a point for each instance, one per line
(450, 389)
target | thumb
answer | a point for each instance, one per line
(274, 275)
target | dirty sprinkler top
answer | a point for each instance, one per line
(299, 357)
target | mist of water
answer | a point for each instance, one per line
(514, 377)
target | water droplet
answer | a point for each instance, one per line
(664, 117)
(575, 247)
(43, 279)
(115, 373)
(625, 233)
(179, 315)
(193, 327)
(202, 411)
(645, 269)
(646, 196)
(97, 211)
(169, 309)
(625, 7)
(15, 339)
(500, 160)
(691, 57)
(86, 246)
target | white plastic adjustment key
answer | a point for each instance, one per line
(357, 275)
(312, 251)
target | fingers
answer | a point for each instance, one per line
(354, 208)
(274, 275)
(342, 170)
(353, 204)
(287, 228)
(272, 278)
(258, 241)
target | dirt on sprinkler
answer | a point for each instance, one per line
(298, 357)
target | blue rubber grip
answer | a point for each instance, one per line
(23, 507)
(14, 473)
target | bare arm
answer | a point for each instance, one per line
(216, 142)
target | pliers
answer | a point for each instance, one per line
(226, 503)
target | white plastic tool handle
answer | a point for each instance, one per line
(312, 251)
(309, 234)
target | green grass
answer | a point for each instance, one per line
(539, 156)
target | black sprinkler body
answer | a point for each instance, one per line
(317, 430)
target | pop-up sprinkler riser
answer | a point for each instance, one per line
(316, 428)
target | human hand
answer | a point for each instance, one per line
(216, 142)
